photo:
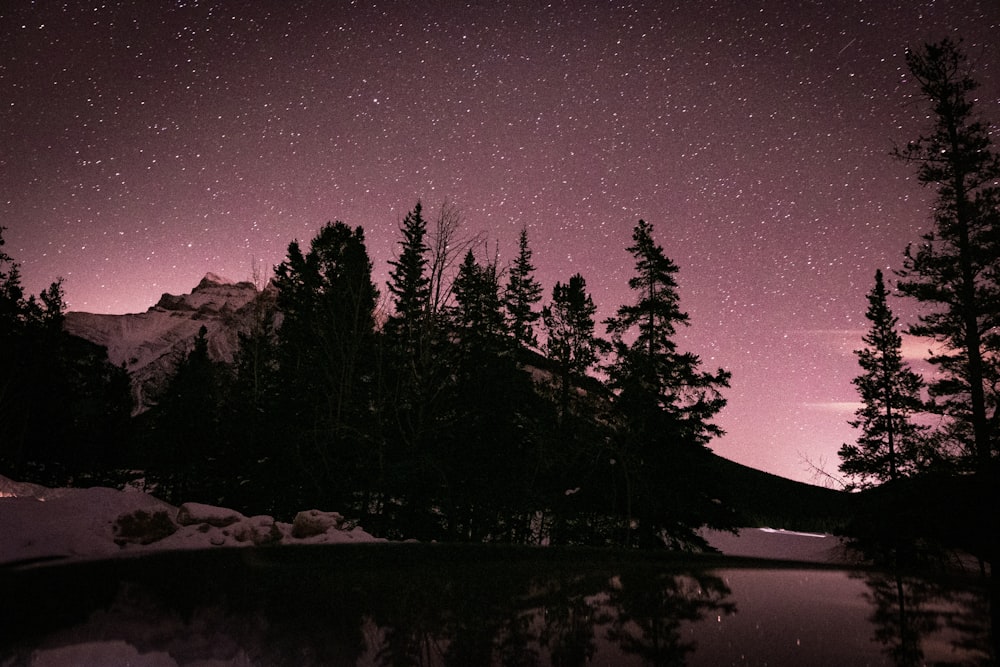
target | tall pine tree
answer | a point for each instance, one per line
(188, 447)
(477, 316)
(954, 269)
(891, 445)
(666, 403)
(416, 383)
(653, 379)
(251, 431)
(521, 295)
(492, 398)
(409, 282)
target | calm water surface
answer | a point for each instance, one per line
(480, 605)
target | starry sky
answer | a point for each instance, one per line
(143, 144)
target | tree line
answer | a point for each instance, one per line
(64, 409)
(467, 412)
(472, 411)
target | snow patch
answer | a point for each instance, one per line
(778, 544)
(98, 654)
(40, 523)
(791, 532)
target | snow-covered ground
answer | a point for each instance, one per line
(41, 523)
(782, 545)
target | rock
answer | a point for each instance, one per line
(142, 527)
(314, 522)
(196, 513)
(259, 530)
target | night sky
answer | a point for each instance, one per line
(143, 144)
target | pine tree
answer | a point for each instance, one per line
(520, 296)
(955, 267)
(477, 315)
(250, 428)
(485, 452)
(409, 282)
(665, 401)
(891, 444)
(18, 310)
(11, 293)
(416, 379)
(188, 429)
(652, 377)
(326, 361)
(569, 330)
(327, 300)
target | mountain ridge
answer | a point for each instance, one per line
(150, 344)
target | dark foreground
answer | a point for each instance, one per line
(418, 604)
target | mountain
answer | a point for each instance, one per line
(150, 344)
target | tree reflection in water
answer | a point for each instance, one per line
(399, 605)
(914, 616)
(497, 613)
(651, 608)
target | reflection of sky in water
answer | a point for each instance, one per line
(470, 611)
(789, 617)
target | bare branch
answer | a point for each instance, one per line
(821, 476)
(447, 249)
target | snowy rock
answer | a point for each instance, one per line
(11, 489)
(258, 530)
(314, 522)
(222, 526)
(195, 513)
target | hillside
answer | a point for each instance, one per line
(764, 499)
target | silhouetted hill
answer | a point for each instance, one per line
(766, 500)
(762, 499)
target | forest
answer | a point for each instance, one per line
(445, 419)
(472, 408)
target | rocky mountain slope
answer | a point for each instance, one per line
(150, 344)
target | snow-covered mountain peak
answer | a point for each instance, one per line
(214, 279)
(150, 344)
(213, 294)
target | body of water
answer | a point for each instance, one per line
(413, 604)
